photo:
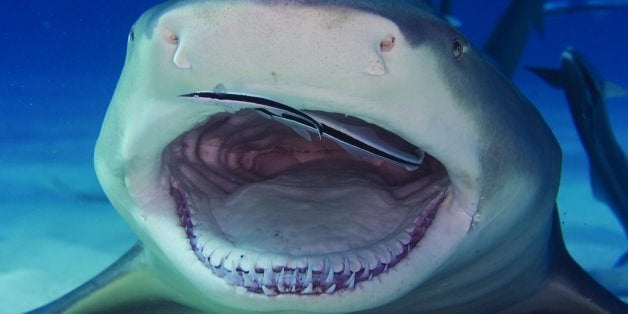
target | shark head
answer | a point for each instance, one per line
(240, 209)
(585, 87)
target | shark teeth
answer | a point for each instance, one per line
(329, 280)
(331, 289)
(309, 289)
(308, 276)
(268, 291)
(268, 277)
(274, 275)
(350, 283)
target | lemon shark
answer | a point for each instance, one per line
(507, 42)
(326, 157)
(586, 91)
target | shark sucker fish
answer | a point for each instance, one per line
(264, 104)
(236, 210)
(301, 122)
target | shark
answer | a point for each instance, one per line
(507, 41)
(326, 157)
(557, 8)
(586, 92)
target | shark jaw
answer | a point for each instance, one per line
(273, 212)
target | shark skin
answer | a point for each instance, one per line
(487, 239)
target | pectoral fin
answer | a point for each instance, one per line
(568, 288)
(125, 286)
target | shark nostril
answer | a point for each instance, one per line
(171, 37)
(387, 44)
(180, 58)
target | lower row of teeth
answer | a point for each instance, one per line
(324, 277)
(281, 280)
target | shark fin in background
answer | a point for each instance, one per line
(551, 76)
(612, 90)
(508, 39)
(123, 287)
(445, 7)
(445, 12)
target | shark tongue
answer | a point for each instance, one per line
(329, 212)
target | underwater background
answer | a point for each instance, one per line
(60, 61)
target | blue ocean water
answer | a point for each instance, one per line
(60, 62)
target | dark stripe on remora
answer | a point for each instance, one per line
(304, 119)
(348, 139)
(265, 102)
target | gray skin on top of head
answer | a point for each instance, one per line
(399, 11)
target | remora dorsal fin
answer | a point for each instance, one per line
(125, 286)
(551, 76)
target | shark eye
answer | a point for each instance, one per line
(457, 49)
(132, 34)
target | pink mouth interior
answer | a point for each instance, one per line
(232, 153)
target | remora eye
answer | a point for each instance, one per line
(457, 49)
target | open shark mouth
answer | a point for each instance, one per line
(282, 201)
